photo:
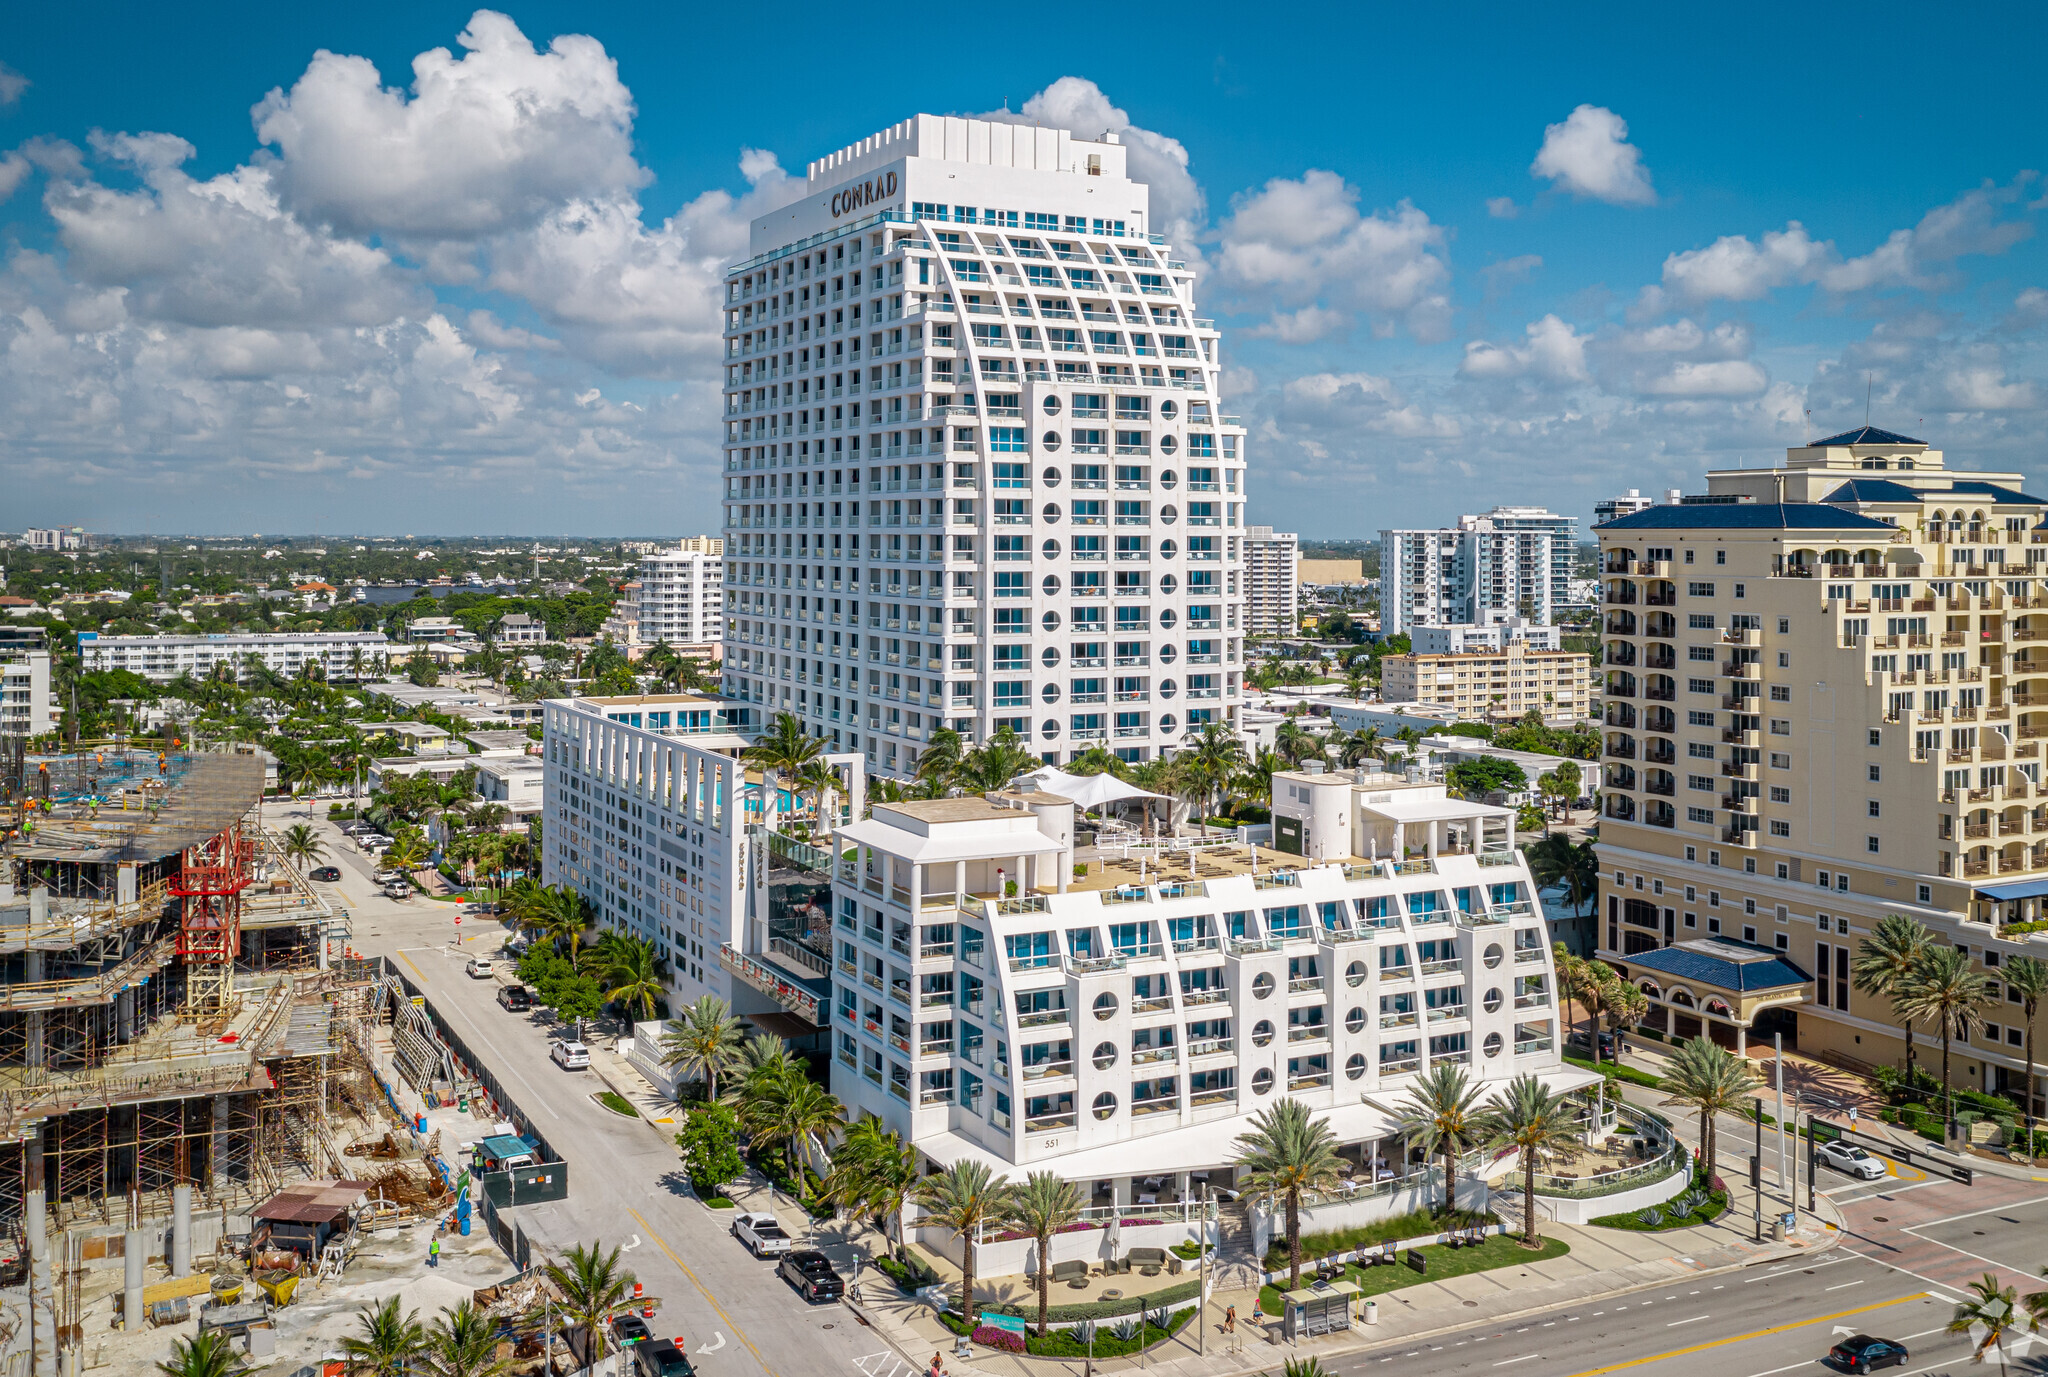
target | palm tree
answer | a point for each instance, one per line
(1042, 1206)
(406, 852)
(1528, 1115)
(874, 1171)
(703, 1041)
(784, 749)
(591, 1285)
(1213, 758)
(1288, 1153)
(1705, 1076)
(1359, 746)
(464, 1343)
(302, 845)
(1947, 993)
(993, 764)
(1443, 1115)
(1577, 982)
(818, 779)
(1099, 760)
(961, 1199)
(940, 759)
(632, 975)
(1304, 1367)
(1621, 1006)
(2027, 977)
(1558, 860)
(1885, 963)
(1991, 1311)
(1296, 743)
(387, 1340)
(795, 1114)
(757, 1063)
(211, 1354)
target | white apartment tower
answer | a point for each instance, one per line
(682, 598)
(977, 476)
(1469, 575)
(1272, 581)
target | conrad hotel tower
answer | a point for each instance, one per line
(975, 471)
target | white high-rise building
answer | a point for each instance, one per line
(1564, 539)
(1472, 573)
(1272, 581)
(682, 598)
(28, 703)
(977, 475)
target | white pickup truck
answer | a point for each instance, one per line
(762, 1235)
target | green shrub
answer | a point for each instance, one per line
(618, 1104)
(1414, 1225)
(717, 1202)
(1637, 1221)
(1104, 1310)
(1617, 1073)
(909, 1274)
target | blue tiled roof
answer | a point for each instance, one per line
(1886, 490)
(1745, 966)
(1869, 435)
(1745, 516)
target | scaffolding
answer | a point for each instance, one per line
(209, 886)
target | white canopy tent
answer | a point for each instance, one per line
(1088, 791)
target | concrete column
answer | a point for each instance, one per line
(124, 1014)
(32, 971)
(132, 1253)
(1742, 1039)
(1066, 874)
(42, 1296)
(916, 889)
(181, 1230)
(959, 881)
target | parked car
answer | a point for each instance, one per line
(1582, 1043)
(398, 889)
(1852, 1159)
(516, 998)
(384, 875)
(570, 1056)
(662, 1358)
(480, 968)
(1865, 1353)
(762, 1235)
(329, 873)
(811, 1273)
(628, 1330)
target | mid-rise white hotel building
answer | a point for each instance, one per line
(976, 474)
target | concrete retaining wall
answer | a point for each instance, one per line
(1569, 1210)
(1017, 1256)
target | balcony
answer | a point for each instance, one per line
(1048, 1070)
(1211, 1047)
(1309, 1032)
(1304, 984)
(1535, 999)
(1045, 1018)
(1151, 1056)
(1192, 999)
(1049, 1123)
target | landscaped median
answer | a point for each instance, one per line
(1440, 1262)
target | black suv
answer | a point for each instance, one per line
(661, 1359)
(811, 1273)
(515, 998)
(1865, 1353)
(628, 1330)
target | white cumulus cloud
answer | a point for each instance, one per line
(1551, 351)
(1300, 242)
(1589, 155)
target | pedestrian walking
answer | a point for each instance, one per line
(1230, 1319)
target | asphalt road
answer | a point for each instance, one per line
(738, 1316)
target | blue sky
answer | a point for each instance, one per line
(1503, 258)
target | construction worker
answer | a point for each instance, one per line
(434, 1253)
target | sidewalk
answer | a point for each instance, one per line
(1601, 1263)
(624, 1078)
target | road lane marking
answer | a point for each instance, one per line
(1741, 1338)
(1694, 1320)
(1974, 1214)
(1846, 1285)
(1523, 1359)
(702, 1289)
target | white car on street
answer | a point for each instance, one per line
(570, 1056)
(1852, 1159)
(762, 1235)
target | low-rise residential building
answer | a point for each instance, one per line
(437, 631)
(517, 628)
(1121, 1030)
(1495, 634)
(28, 702)
(1494, 685)
(341, 654)
(514, 781)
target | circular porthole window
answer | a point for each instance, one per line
(1168, 478)
(1050, 728)
(1355, 1067)
(1051, 658)
(1167, 583)
(1167, 445)
(1262, 985)
(1052, 406)
(1354, 1022)
(1262, 1032)
(1167, 722)
(1051, 512)
(1492, 1002)
(1051, 585)
(1492, 955)
(1168, 549)
(1354, 974)
(1492, 1045)
(1051, 441)
(1105, 1056)
(1167, 653)
(1262, 1080)
(1051, 549)
(1105, 1105)
(1105, 1005)
(1051, 476)
(1050, 693)
(1167, 617)
(1169, 408)
(1050, 621)
(1169, 514)
(1167, 688)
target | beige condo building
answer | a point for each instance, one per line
(1493, 685)
(1826, 687)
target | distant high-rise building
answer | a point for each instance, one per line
(682, 596)
(1608, 508)
(977, 474)
(1272, 581)
(1564, 539)
(1460, 575)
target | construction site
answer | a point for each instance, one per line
(184, 1032)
